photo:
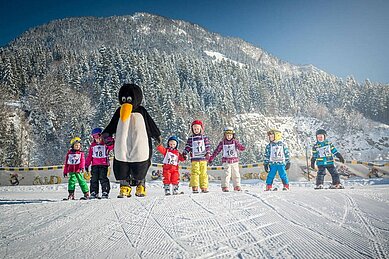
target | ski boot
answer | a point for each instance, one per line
(225, 189)
(93, 196)
(85, 197)
(70, 196)
(104, 195)
(195, 189)
(286, 187)
(268, 187)
(125, 191)
(175, 190)
(237, 188)
(140, 190)
(204, 190)
(336, 186)
(166, 187)
(319, 187)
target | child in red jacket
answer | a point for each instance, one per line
(170, 173)
(74, 167)
(98, 157)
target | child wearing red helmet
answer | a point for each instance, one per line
(199, 148)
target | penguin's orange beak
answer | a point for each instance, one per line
(125, 111)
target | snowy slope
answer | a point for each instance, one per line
(300, 223)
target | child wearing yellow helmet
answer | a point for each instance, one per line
(74, 167)
(276, 159)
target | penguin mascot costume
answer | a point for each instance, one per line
(133, 128)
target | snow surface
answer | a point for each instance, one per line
(220, 57)
(300, 223)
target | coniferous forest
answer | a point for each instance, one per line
(61, 79)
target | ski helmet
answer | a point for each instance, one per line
(229, 130)
(321, 132)
(96, 132)
(197, 122)
(173, 138)
(75, 140)
(277, 134)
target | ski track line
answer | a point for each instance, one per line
(146, 219)
(75, 233)
(102, 243)
(227, 237)
(167, 233)
(202, 206)
(340, 223)
(247, 231)
(42, 225)
(380, 251)
(330, 219)
(306, 227)
(44, 247)
(219, 225)
(124, 231)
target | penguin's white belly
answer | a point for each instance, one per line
(131, 140)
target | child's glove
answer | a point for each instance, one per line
(207, 156)
(287, 166)
(65, 175)
(341, 159)
(313, 163)
(185, 156)
(266, 166)
(108, 140)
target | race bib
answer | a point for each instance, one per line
(324, 151)
(229, 151)
(277, 154)
(198, 148)
(99, 151)
(170, 159)
(74, 159)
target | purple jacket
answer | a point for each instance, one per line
(229, 148)
(198, 147)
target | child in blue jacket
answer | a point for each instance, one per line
(276, 159)
(323, 153)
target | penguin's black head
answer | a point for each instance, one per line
(130, 93)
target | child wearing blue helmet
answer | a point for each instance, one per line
(170, 173)
(98, 158)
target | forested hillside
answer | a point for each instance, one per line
(61, 79)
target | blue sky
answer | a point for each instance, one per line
(341, 37)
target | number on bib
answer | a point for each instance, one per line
(74, 159)
(324, 151)
(229, 151)
(99, 151)
(277, 154)
(198, 148)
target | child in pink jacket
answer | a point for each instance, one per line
(98, 157)
(74, 167)
(230, 147)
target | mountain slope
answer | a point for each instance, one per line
(66, 75)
